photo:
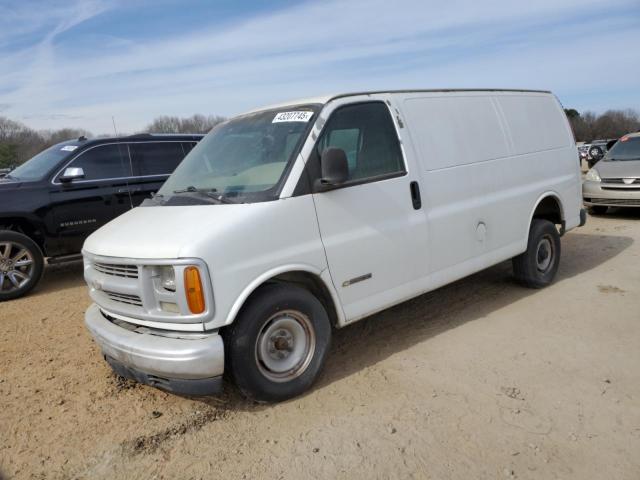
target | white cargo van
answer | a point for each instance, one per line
(289, 221)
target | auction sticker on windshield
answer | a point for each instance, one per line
(292, 117)
(69, 148)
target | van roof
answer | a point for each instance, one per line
(323, 99)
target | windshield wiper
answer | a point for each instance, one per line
(219, 197)
(209, 192)
(191, 189)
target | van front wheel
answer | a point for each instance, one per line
(537, 266)
(278, 344)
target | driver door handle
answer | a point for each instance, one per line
(415, 195)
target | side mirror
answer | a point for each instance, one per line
(334, 169)
(70, 174)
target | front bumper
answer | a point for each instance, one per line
(594, 194)
(191, 364)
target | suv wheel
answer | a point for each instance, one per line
(537, 267)
(21, 264)
(277, 345)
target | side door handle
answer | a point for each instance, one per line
(415, 195)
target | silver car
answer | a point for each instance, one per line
(615, 180)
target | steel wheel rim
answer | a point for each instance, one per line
(16, 266)
(544, 254)
(285, 346)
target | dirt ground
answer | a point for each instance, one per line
(480, 379)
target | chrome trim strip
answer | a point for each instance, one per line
(361, 278)
(180, 327)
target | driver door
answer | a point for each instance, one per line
(83, 205)
(374, 232)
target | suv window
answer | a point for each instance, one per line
(103, 162)
(367, 135)
(156, 158)
(188, 146)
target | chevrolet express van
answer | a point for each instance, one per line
(292, 220)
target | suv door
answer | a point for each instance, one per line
(373, 227)
(152, 163)
(83, 205)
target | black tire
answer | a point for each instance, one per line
(533, 268)
(18, 243)
(598, 210)
(596, 153)
(250, 337)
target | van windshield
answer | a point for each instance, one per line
(241, 160)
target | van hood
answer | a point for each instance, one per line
(166, 232)
(618, 168)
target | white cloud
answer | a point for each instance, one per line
(318, 47)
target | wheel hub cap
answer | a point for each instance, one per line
(544, 254)
(285, 346)
(16, 266)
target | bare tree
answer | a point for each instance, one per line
(18, 143)
(611, 124)
(195, 124)
(57, 136)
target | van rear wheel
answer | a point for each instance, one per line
(21, 264)
(537, 266)
(278, 344)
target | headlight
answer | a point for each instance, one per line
(592, 175)
(168, 278)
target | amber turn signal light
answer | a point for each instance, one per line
(193, 289)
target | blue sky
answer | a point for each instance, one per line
(78, 63)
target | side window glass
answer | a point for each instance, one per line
(367, 135)
(348, 140)
(187, 147)
(160, 158)
(104, 162)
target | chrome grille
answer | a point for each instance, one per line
(636, 181)
(124, 298)
(617, 201)
(124, 271)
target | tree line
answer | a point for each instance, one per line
(610, 124)
(19, 143)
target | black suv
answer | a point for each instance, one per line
(51, 203)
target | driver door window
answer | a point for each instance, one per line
(367, 135)
(104, 162)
